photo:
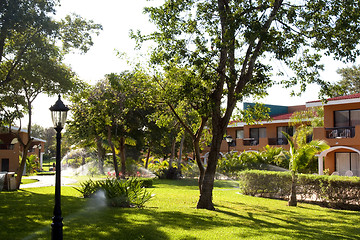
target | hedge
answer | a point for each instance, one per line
(333, 191)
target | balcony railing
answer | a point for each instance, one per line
(278, 141)
(6, 146)
(250, 141)
(340, 132)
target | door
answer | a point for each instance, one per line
(4, 165)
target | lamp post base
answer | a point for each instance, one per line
(57, 228)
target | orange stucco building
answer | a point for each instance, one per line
(10, 149)
(256, 136)
(341, 131)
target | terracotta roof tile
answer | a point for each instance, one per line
(282, 116)
(352, 96)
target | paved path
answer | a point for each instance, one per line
(46, 181)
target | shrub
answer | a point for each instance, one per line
(334, 191)
(265, 183)
(190, 170)
(88, 188)
(163, 171)
(145, 182)
(129, 193)
(234, 162)
(32, 164)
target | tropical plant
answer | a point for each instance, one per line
(32, 164)
(118, 193)
(299, 156)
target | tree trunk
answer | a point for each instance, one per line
(292, 198)
(205, 200)
(25, 147)
(147, 158)
(199, 163)
(20, 170)
(101, 155)
(172, 156)
(113, 152)
(180, 152)
(122, 157)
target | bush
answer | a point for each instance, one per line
(190, 170)
(145, 182)
(234, 162)
(163, 171)
(265, 183)
(334, 191)
(32, 164)
(130, 193)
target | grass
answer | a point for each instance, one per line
(171, 214)
(28, 180)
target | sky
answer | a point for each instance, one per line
(117, 18)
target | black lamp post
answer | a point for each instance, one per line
(229, 141)
(58, 115)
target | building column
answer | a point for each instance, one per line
(41, 159)
(321, 164)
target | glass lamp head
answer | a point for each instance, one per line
(59, 113)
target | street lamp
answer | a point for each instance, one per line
(229, 140)
(58, 115)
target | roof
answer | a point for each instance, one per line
(13, 128)
(275, 119)
(336, 100)
(282, 116)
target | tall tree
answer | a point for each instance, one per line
(349, 83)
(85, 128)
(185, 96)
(32, 47)
(112, 111)
(26, 24)
(232, 41)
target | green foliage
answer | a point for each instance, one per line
(129, 193)
(332, 191)
(32, 164)
(162, 170)
(349, 83)
(301, 156)
(235, 162)
(88, 188)
(190, 170)
(305, 122)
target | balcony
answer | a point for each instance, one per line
(250, 142)
(277, 141)
(6, 146)
(340, 132)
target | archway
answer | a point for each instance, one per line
(324, 153)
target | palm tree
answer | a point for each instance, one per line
(298, 156)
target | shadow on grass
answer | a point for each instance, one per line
(23, 212)
(27, 215)
(283, 223)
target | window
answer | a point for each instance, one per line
(347, 118)
(355, 117)
(240, 133)
(4, 165)
(347, 161)
(342, 118)
(288, 130)
(257, 133)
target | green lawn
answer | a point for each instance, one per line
(171, 214)
(28, 180)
